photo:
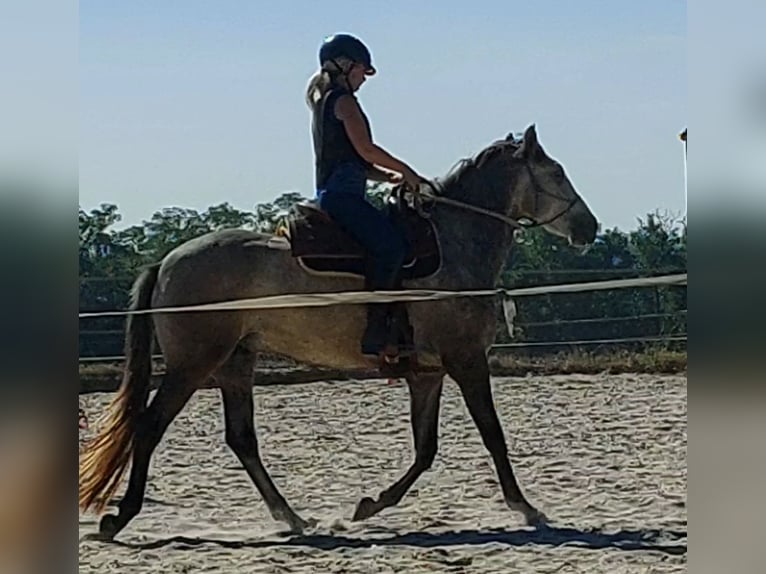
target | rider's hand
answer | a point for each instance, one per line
(412, 180)
(394, 178)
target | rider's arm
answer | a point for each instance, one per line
(377, 174)
(347, 110)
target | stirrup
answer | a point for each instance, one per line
(390, 353)
(403, 366)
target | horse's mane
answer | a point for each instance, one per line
(463, 166)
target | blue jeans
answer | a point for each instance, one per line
(344, 200)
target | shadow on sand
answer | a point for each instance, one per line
(666, 541)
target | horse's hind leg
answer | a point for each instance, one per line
(172, 395)
(425, 393)
(235, 379)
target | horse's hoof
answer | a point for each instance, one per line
(297, 524)
(312, 523)
(108, 528)
(366, 508)
(536, 519)
(532, 516)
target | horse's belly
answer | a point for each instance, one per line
(329, 336)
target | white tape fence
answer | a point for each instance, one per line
(408, 295)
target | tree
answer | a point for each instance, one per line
(95, 241)
(269, 216)
(657, 246)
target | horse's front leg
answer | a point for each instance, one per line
(471, 372)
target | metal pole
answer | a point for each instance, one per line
(682, 137)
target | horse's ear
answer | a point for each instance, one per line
(530, 145)
(530, 136)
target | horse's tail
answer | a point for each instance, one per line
(104, 459)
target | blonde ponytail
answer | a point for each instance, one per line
(323, 79)
(318, 85)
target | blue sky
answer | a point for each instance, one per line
(191, 103)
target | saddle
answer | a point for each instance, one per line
(323, 247)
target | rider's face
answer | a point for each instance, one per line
(357, 76)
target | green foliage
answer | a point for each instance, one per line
(656, 247)
(376, 192)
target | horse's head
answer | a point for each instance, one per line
(544, 195)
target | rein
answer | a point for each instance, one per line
(461, 205)
(436, 197)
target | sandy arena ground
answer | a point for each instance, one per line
(603, 456)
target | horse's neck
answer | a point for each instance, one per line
(475, 247)
(473, 255)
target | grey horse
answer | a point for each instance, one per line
(514, 179)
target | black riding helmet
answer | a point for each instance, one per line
(346, 45)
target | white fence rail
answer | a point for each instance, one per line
(356, 297)
(407, 295)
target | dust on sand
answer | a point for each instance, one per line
(603, 456)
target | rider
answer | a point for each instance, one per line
(345, 158)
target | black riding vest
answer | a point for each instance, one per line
(331, 144)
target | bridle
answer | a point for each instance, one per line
(540, 190)
(436, 196)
